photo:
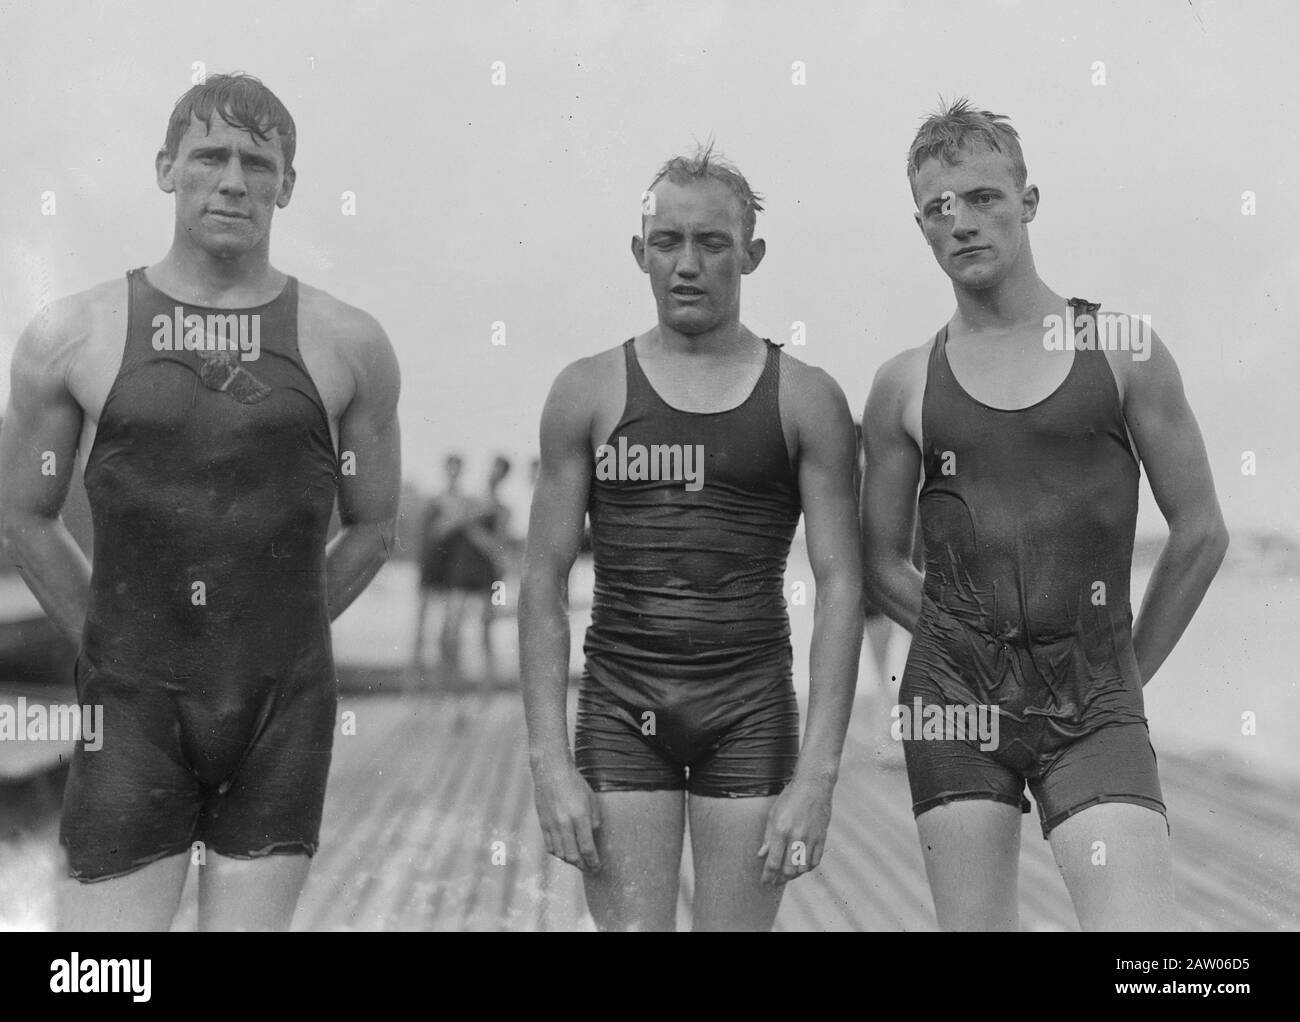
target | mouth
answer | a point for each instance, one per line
(227, 214)
(971, 250)
(686, 291)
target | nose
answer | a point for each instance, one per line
(963, 220)
(232, 177)
(688, 263)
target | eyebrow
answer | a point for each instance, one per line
(977, 190)
(704, 235)
(225, 150)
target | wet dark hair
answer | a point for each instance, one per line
(242, 101)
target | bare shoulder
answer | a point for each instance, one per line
(585, 400)
(584, 381)
(352, 332)
(74, 329)
(348, 355)
(105, 299)
(893, 408)
(901, 378)
(1136, 354)
(810, 386)
(907, 367)
(814, 412)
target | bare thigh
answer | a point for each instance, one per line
(1116, 861)
(145, 899)
(250, 894)
(726, 834)
(640, 845)
(972, 858)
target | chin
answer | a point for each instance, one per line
(979, 279)
(228, 245)
(227, 251)
(692, 325)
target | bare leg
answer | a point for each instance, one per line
(453, 621)
(1116, 862)
(880, 698)
(145, 899)
(489, 661)
(972, 859)
(640, 846)
(250, 894)
(726, 834)
(417, 655)
(879, 629)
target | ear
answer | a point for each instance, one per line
(286, 188)
(916, 215)
(163, 166)
(638, 252)
(1029, 204)
(754, 253)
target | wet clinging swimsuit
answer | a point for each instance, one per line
(211, 483)
(688, 679)
(1028, 519)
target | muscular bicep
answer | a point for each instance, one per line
(370, 457)
(1169, 438)
(827, 460)
(892, 468)
(42, 423)
(564, 475)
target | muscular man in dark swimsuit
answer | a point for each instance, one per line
(1025, 436)
(212, 466)
(694, 447)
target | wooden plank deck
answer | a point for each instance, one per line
(421, 794)
(429, 825)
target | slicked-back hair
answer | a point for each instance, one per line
(705, 166)
(242, 101)
(957, 128)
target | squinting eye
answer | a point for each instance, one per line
(984, 197)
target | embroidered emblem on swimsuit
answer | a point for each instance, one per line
(221, 371)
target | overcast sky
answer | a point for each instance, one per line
(478, 203)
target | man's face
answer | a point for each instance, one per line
(693, 248)
(227, 185)
(973, 216)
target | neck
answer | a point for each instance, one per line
(1019, 299)
(204, 276)
(726, 338)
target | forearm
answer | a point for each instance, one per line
(544, 667)
(895, 587)
(352, 560)
(1182, 574)
(836, 645)
(54, 568)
